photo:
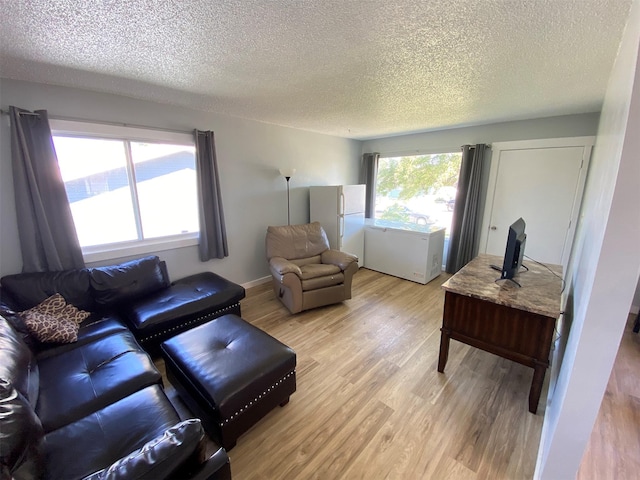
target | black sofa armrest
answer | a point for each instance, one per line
(216, 467)
(159, 458)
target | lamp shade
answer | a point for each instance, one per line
(287, 172)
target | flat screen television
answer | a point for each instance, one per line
(514, 253)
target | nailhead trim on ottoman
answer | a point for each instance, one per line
(230, 374)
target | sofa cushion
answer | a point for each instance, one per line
(196, 295)
(318, 270)
(296, 241)
(20, 431)
(115, 284)
(56, 306)
(93, 328)
(159, 457)
(29, 289)
(86, 379)
(105, 436)
(54, 320)
(322, 282)
(307, 260)
(49, 329)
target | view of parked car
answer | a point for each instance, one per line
(402, 213)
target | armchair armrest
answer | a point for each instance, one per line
(159, 457)
(283, 266)
(341, 259)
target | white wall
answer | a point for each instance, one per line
(603, 271)
(451, 140)
(249, 156)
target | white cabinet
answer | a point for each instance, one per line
(405, 250)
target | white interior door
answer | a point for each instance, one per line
(541, 181)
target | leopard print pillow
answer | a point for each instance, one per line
(54, 321)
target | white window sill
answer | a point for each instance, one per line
(101, 253)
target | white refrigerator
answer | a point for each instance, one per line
(340, 211)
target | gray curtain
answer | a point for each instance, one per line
(368, 176)
(464, 237)
(213, 234)
(48, 236)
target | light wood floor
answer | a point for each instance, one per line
(614, 447)
(370, 403)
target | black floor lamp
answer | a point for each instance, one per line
(287, 173)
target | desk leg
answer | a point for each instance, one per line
(536, 387)
(444, 350)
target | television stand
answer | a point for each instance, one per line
(509, 279)
(514, 323)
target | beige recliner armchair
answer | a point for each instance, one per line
(306, 273)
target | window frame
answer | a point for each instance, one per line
(109, 251)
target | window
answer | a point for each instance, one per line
(418, 189)
(127, 187)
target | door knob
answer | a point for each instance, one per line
(493, 227)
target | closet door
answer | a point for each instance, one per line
(541, 181)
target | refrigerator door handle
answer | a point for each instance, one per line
(341, 225)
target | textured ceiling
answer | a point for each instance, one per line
(352, 68)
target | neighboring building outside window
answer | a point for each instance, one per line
(130, 189)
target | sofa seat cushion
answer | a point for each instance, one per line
(98, 440)
(318, 270)
(322, 282)
(86, 379)
(93, 328)
(193, 296)
(319, 275)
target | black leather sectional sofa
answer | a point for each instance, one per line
(95, 408)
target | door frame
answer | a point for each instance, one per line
(497, 148)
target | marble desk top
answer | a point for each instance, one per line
(539, 293)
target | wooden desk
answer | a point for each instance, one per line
(501, 318)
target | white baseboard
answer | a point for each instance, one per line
(255, 283)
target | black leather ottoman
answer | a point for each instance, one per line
(230, 374)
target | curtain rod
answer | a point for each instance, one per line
(100, 122)
(5, 112)
(486, 145)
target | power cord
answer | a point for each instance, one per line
(554, 273)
